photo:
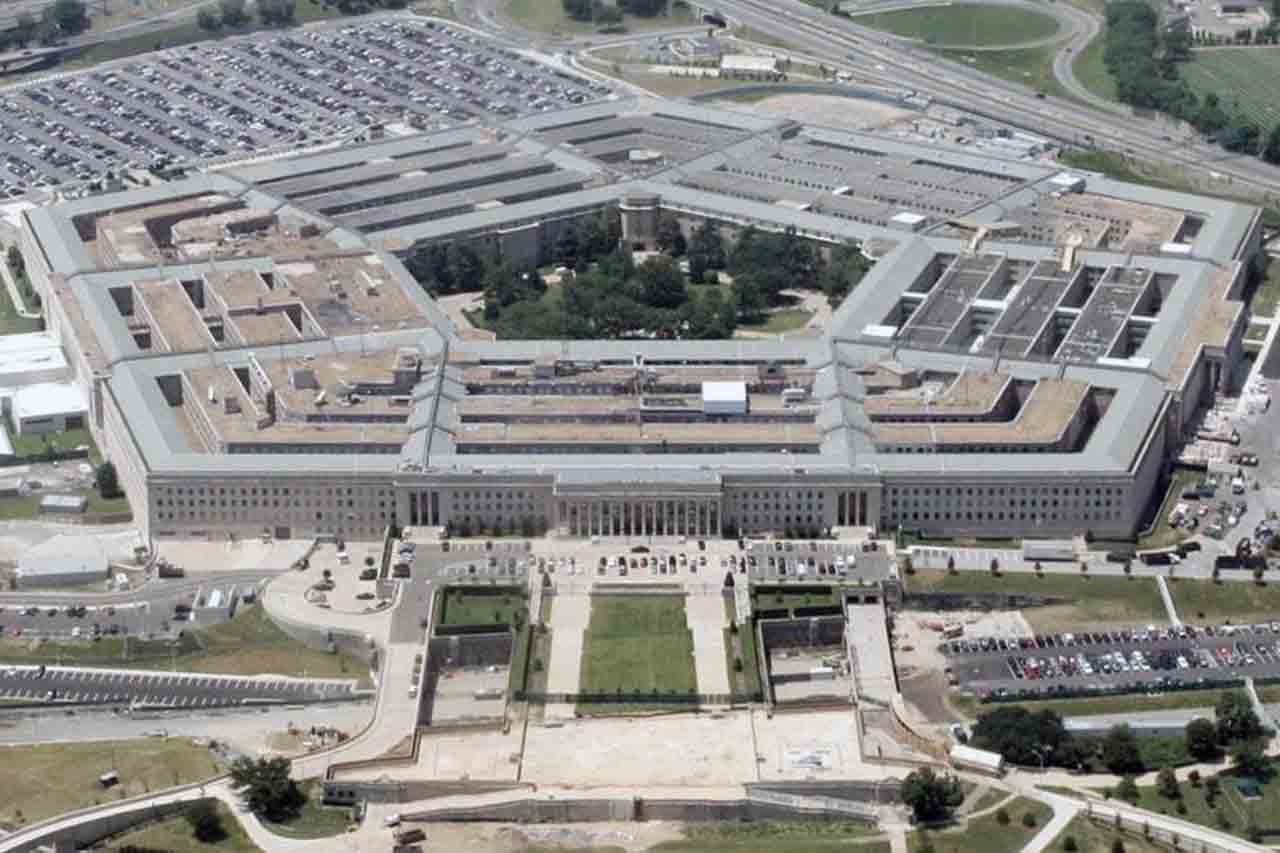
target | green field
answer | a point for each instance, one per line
(776, 837)
(1031, 66)
(11, 323)
(1235, 602)
(315, 820)
(1096, 600)
(637, 644)
(964, 25)
(986, 834)
(249, 644)
(495, 606)
(175, 834)
(1128, 703)
(1244, 78)
(548, 16)
(1230, 804)
(50, 779)
(784, 320)
(1092, 72)
(1267, 296)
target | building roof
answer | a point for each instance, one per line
(49, 400)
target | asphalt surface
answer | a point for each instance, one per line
(1058, 664)
(148, 611)
(174, 690)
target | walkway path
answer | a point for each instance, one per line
(1167, 598)
(1065, 810)
(569, 619)
(705, 615)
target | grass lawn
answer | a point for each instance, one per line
(1267, 296)
(1230, 805)
(11, 323)
(776, 837)
(985, 834)
(1164, 535)
(1091, 71)
(548, 16)
(1237, 602)
(50, 779)
(1257, 332)
(1096, 600)
(1243, 77)
(679, 87)
(637, 644)
(175, 834)
(791, 599)
(964, 25)
(785, 320)
(741, 644)
(1032, 66)
(1093, 837)
(1126, 704)
(482, 606)
(249, 644)
(315, 820)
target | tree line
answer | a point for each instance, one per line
(236, 14)
(603, 293)
(1144, 61)
(607, 14)
(61, 19)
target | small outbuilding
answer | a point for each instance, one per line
(977, 760)
(724, 398)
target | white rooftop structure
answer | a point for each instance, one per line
(749, 63)
(47, 407)
(34, 357)
(981, 760)
(724, 398)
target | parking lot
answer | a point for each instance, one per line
(240, 97)
(1137, 659)
(158, 612)
(162, 689)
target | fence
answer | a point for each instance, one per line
(1193, 839)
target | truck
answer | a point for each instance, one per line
(408, 835)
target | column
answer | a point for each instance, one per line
(862, 507)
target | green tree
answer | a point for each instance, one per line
(1023, 737)
(107, 481)
(1236, 719)
(1127, 789)
(234, 13)
(930, 796)
(661, 282)
(1271, 148)
(1202, 739)
(606, 14)
(70, 16)
(24, 29)
(208, 20)
(1119, 751)
(707, 244)
(670, 239)
(266, 788)
(1248, 760)
(205, 822)
(1167, 784)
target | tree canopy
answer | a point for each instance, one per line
(930, 796)
(1025, 737)
(266, 787)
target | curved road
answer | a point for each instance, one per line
(1068, 23)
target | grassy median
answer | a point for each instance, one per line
(176, 834)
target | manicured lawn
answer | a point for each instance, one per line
(1092, 837)
(1096, 600)
(789, 600)
(1129, 703)
(637, 644)
(11, 323)
(964, 25)
(315, 820)
(1032, 66)
(548, 16)
(1235, 809)
(50, 779)
(249, 644)
(785, 320)
(176, 834)
(484, 606)
(741, 644)
(776, 837)
(1215, 603)
(40, 444)
(986, 834)
(1257, 332)
(1243, 77)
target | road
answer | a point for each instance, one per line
(881, 59)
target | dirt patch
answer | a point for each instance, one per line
(831, 110)
(926, 692)
(500, 838)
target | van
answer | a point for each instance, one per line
(391, 820)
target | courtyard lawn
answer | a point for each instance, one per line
(1244, 78)
(315, 820)
(1267, 296)
(1235, 602)
(13, 323)
(50, 779)
(1096, 600)
(637, 644)
(968, 25)
(986, 834)
(482, 606)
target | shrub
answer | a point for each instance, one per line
(1028, 820)
(1002, 817)
(1069, 844)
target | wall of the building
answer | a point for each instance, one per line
(114, 439)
